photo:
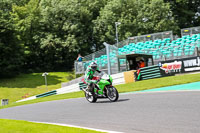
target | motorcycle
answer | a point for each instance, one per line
(102, 89)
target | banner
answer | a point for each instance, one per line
(183, 65)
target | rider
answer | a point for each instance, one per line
(89, 74)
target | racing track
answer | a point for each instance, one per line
(162, 112)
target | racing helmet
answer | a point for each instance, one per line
(93, 66)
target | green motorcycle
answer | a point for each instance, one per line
(102, 89)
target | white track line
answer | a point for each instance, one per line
(61, 124)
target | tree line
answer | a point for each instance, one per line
(47, 35)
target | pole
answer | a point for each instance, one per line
(45, 79)
(108, 57)
(116, 35)
(117, 23)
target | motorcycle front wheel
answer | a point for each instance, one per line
(112, 93)
(91, 98)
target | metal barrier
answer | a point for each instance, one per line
(95, 54)
(190, 31)
(122, 43)
(150, 72)
(101, 58)
(80, 67)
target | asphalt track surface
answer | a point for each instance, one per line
(149, 112)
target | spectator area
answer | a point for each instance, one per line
(160, 49)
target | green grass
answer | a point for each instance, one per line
(33, 84)
(18, 126)
(159, 82)
(136, 86)
(26, 85)
(49, 98)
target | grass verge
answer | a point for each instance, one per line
(136, 86)
(18, 126)
(159, 82)
(26, 85)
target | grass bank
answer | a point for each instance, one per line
(159, 82)
(26, 85)
(136, 86)
(18, 126)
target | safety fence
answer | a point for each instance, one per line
(151, 37)
(161, 45)
(165, 49)
(190, 31)
(114, 50)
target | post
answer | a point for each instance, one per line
(45, 77)
(116, 24)
(93, 56)
(108, 57)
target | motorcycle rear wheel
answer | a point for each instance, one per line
(91, 98)
(112, 93)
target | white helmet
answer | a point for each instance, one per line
(93, 66)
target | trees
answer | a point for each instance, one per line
(186, 12)
(48, 34)
(11, 51)
(136, 17)
(55, 31)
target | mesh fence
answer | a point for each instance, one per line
(152, 37)
(101, 58)
(122, 43)
(113, 52)
(176, 52)
(144, 45)
(190, 31)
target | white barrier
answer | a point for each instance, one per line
(26, 99)
(117, 79)
(68, 89)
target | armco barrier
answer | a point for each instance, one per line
(117, 79)
(150, 72)
(46, 94)
(82, 85)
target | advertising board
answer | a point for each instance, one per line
(183, 65)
